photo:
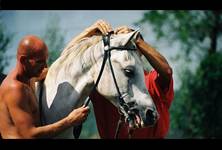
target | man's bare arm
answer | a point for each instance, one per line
(18, 104)
(158, 62)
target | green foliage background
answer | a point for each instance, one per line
(195, 111)
(5, 39)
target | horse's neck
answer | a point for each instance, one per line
(73, 73)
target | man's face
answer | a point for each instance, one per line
(36, 64)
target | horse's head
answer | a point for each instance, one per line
(133, 99)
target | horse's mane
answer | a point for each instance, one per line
(73, 51)
(76, 48)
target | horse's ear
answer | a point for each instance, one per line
(124, 39)
(132, 36)
(136, 34)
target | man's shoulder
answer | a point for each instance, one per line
(16, 85)
(13, 87)
(16, 94)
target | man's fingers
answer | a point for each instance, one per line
(122, 30)
(101, 29)
(85, 107)
(85, 110)
(104, 27)
(118, 29)
(107, 27)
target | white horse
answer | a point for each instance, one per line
(72, 76)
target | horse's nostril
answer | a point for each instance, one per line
(150, 117)
(149, 114)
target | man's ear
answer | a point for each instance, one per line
(23, 60)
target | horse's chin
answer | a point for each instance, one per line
(136, 122)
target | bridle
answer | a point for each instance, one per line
(122, 104)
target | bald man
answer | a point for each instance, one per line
(19, 113)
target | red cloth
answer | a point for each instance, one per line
(107, 115)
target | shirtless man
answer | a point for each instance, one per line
(19, 112)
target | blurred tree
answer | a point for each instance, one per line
(193, 29)
(195, 111)
(206, 92)
(54, 38)
(5, 39)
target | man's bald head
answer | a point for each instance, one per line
(32, 55)
(31, 45)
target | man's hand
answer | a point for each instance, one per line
(122, 30)
(78, 115)
(99, 27)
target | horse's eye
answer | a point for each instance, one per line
(129, 72)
